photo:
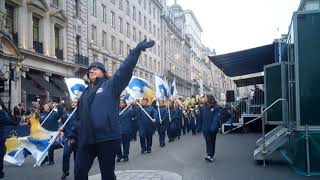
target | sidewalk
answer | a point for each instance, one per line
(142, 175)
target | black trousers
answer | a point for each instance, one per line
(134, 129)
(125, 141)
(210, 142)
(146, 142)
(2, 154)
(106, 153)
(67, 151)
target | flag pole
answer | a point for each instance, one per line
(124, 109)
(52, 140)
(48, 116)
(159, 112)
(145, 112)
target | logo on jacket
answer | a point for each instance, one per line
(100, 90)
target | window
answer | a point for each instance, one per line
(105, 61)
(57, 37)
(128, 49)
(104, 39)
(120, 25)
(140, 36)
(36, 32)
(145, 63)
(139, 20)
(159, 50)
(10, 18)
(150, 27)
(113, 43)
(55, 3)
(127, 7)
(154, 13)
(95, 57)
(113, 1)
(121, 48)
(150, 63)
(134, 17)
(134, 34)
(149, 8)
(113, 20)
(120, 5)
(144, 4)
(94, 7)
(145, 23)
(94, 34)
(128, 30)
(139, 2)
(113, 67)
(159, 68)
(77, 7)
(154, 31)
(104, 13)
(158, 33)
(78, 41)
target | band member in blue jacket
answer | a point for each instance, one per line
(209, 119)
(134, 124)
(176, 121)
(5, 120)
(51, 124)
(162, 124)
(68, 148)
(97, 129)
(126, 128)
(146, 125)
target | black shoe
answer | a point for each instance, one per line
(125, 159)
(143, 151)
(51, 163)
(162, 145)
(119, 159)
(44, 161)
(1, 175)
(178, 137)
(65, 175)
(149, 151)
(209, 159)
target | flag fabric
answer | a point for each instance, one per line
(14, 153)
(140, 88)
(39, 140)
(75, 87)
(173, 89)
(162, 89)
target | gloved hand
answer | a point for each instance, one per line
(142, 46)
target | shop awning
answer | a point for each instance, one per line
(29, 87)
(59, 83)
(55, 92)
(245, 62)
(249, 81)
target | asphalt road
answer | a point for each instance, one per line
(184, 157)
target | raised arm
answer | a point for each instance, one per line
(123, 75)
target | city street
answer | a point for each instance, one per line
(184, 157)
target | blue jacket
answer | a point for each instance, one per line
(209, 119)
(52, 123)
(146, 126)
(98, 107)
(126, 121)
(5, 120)
(164, 117)
(176, 118)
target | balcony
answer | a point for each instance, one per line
(82, 60)
(38, 47)
(59, 54)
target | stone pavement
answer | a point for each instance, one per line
(143, 175)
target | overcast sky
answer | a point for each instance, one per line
(234, 25)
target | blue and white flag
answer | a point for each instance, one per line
(139, 88)
(75, 87)
(162, 88)
(14, 153)
(173, 89)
